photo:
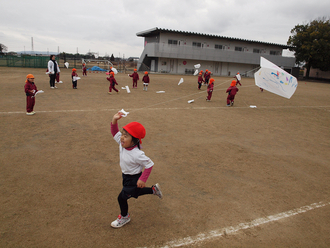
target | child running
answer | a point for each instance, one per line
(210, 90)
(232, 90)
(238, 78)
(145, 81)
(200, 80)
(135, 77)
(132, 162)
(207, 76)
(113, 82)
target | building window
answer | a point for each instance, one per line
(197, 44)
(239, 49)
(173, 42)
(218, 46)
(274, 52)
(255, 50)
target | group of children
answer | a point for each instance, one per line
(134, 76)
(232, 90)
(145, 79)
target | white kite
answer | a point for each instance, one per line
(196, 72)
(238, 76)
(181, 81)
(197, 66)
(114, 70)
(76, 78)
(66, 64)
(39, 91)
(161, 91)
(190, 101)
(274, 79)
(127, 88)
(124, 113)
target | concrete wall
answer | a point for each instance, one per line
(181, 57)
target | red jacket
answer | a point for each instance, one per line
(74, 74)
(135, 76)
(232, 90)
(207, 75)
(112, 80)
(210, 87)
(200, 79)
(28, 87)
(145, 79)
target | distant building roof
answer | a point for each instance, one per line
(155, 31)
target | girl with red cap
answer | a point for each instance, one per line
(30, 90)
(232, 90)
(74, 76)
(238, 78)
(84, 69)
(145, 81)
(200, 80)
(132, 162)
(210, 90)
(113, 82)
(207, 76)
(135, 77)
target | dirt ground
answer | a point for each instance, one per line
(218, 166)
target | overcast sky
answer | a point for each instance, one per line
(110, 27)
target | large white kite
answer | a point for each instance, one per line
(274, 79)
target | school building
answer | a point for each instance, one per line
(176, 52)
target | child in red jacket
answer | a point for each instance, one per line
(232, 90)
(238, 79)
(207, 76)
(135, 77)
(200, 80)
(30, 90)
(113, 82)
(74, 76)
(145, 81)
(84, 69)
(210, 87)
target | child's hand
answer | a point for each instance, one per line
(116, 117)
(140, 184)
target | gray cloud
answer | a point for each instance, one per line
(111, 26)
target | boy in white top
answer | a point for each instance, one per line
(132, 162)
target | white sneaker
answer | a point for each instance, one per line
(120, 221)
(156, 190)
(55, 87)
(52, 87)
(30, 113)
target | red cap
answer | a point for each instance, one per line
(211, 80)
(146, 72)
(233, 83)
(136, 130)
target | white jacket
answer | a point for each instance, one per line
(51, 67)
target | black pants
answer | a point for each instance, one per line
(52, 78)
(74, 84)
(130, 190)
